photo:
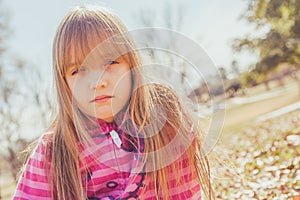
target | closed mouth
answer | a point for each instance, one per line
(101, 98)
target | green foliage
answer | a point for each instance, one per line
(281, 42)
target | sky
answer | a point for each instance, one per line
(213, 24)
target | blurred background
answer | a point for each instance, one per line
(254, 44)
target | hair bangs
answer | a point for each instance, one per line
(84, 37)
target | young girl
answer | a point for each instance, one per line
(107, 141)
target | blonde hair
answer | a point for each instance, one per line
(81, 30)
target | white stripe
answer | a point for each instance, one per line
(181, 188)
(35, 184)
(21, 194)
(35, 170)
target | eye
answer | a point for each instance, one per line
(111, 62)
(78, 70)
(73, 72)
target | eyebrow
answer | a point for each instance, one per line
(71, 65)
(104, 59)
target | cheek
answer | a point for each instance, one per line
(124, 85)
(78, 90)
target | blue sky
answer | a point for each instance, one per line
(213, 24)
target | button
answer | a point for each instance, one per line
(111, 184)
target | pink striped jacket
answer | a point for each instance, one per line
(113, 172)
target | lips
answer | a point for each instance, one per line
(102, 98)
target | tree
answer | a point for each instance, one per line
(22, 96)
(281, 42)
(235, 69)
(171, 18)
(223, 73)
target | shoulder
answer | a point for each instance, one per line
(39, 158)
(41, 148)
(33, 181)
(46, 138)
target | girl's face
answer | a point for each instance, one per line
(100, 87)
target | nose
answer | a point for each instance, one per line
(97, 80)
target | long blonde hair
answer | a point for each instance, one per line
(80, 31)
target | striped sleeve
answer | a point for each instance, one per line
(33, 182)
(187, 188)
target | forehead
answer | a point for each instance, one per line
(85, 50)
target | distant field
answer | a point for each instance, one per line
(238, 116)
(242, 111)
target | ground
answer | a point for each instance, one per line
(257, 155)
